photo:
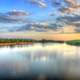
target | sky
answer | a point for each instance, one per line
(40, 15)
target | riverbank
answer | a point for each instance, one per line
(74, 42)
(15, 43)
(12, 42)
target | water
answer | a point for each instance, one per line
(40, 59)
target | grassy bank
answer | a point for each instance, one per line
(74, 42)
(11, 42)
(14, 40)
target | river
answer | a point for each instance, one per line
(49, 59)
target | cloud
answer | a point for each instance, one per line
(20, 16)
(51, 14)
(66, 6)
(40, 3)
(70, 21)
(13, 16)
(73, 5)
(16, 13)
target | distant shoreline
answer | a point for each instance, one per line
(13, 42)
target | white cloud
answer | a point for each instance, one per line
(40, 3)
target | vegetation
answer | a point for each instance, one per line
(74, 42)
(14, 40)
(24, 41)
(46, 41)
(27, 40)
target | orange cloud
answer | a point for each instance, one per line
(73, 6)
(69, 29)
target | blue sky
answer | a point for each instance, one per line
(20, 12)
(37, 12)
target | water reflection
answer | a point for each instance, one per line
(48, 59)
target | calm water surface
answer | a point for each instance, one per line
(41, 59)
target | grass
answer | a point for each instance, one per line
(74, 42)
(14, 40)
